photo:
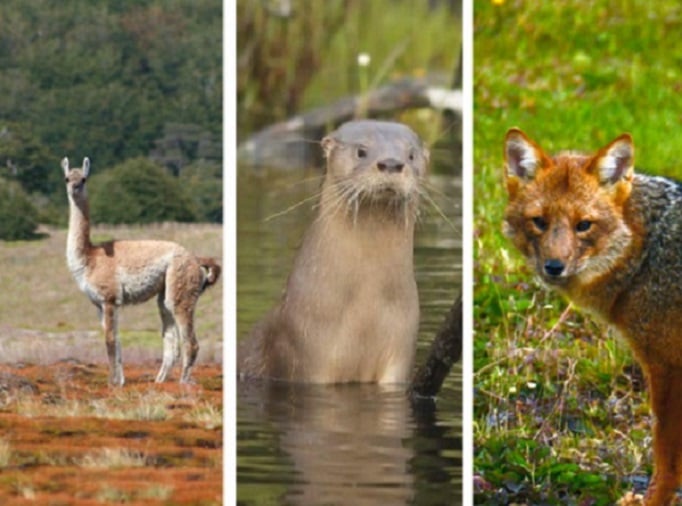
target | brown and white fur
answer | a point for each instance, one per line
(118, 273)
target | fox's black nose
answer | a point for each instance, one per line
(390, 165)
(554, 267)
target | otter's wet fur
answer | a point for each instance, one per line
(350, 311)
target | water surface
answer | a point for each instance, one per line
(349, 444)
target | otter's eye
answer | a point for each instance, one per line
(540, 223)
(411, 156)
(583, 225)
(361, 153)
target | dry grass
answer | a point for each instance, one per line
(149, 405)
(44, 317)
(5, 453)
(206, 415)
(113, 458)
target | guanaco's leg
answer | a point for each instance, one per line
(190, 346)
(110, 326)
(183, 287)
(665, 386)
(169, 333)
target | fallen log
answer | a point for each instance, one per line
(293, 144)
(446, 349)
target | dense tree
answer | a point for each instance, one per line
(106, 79)
(138, 191)
(18, 217)
(204, 184)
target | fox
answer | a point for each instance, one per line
(610, 240)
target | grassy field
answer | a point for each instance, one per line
(44, 316)
(561, 412)
(67, 438)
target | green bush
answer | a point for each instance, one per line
(18, 217)
(203, 181)
(138, 191)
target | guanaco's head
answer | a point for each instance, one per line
(75, 178)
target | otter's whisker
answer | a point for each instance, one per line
(436, 207)
(340, 193)
(290, 185)
(292, 207)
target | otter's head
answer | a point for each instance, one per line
(369, 162)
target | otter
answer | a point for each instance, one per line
(350, 310)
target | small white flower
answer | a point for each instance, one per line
(532, 385)
(364, 59)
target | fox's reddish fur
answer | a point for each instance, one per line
(611, 241)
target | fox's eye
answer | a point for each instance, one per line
(583, 225)
(362, 153)
(540, 223)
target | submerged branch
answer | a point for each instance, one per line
(445, 350)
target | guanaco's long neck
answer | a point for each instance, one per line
(78, 240)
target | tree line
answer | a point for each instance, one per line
(135, 85)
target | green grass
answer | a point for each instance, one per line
(561, 413)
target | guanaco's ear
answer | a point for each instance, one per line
(65, 166)
(86, 167)
(615, 161)
(522, 157)
(327, 145)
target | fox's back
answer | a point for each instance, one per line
(650, 309)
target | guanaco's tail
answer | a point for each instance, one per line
(211, 271)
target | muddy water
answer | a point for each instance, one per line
(354, 445)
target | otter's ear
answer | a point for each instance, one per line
(522, 156)
(427, 155)
(86, 167)
(615, 161)
(65, 166)
(327, 144)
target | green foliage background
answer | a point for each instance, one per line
(281, 72)
(112, 80)
(18, 218)
(561, 414)
(138, 191)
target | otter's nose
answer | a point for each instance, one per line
(554, 267)
(390, 165)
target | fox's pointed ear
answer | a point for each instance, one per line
(522, 157)
(65, 166)
(615, 161)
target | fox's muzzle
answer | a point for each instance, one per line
(554, 267)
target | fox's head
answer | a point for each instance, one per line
(567, 213)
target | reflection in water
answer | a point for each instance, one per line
(351, 444)
(345, 442)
